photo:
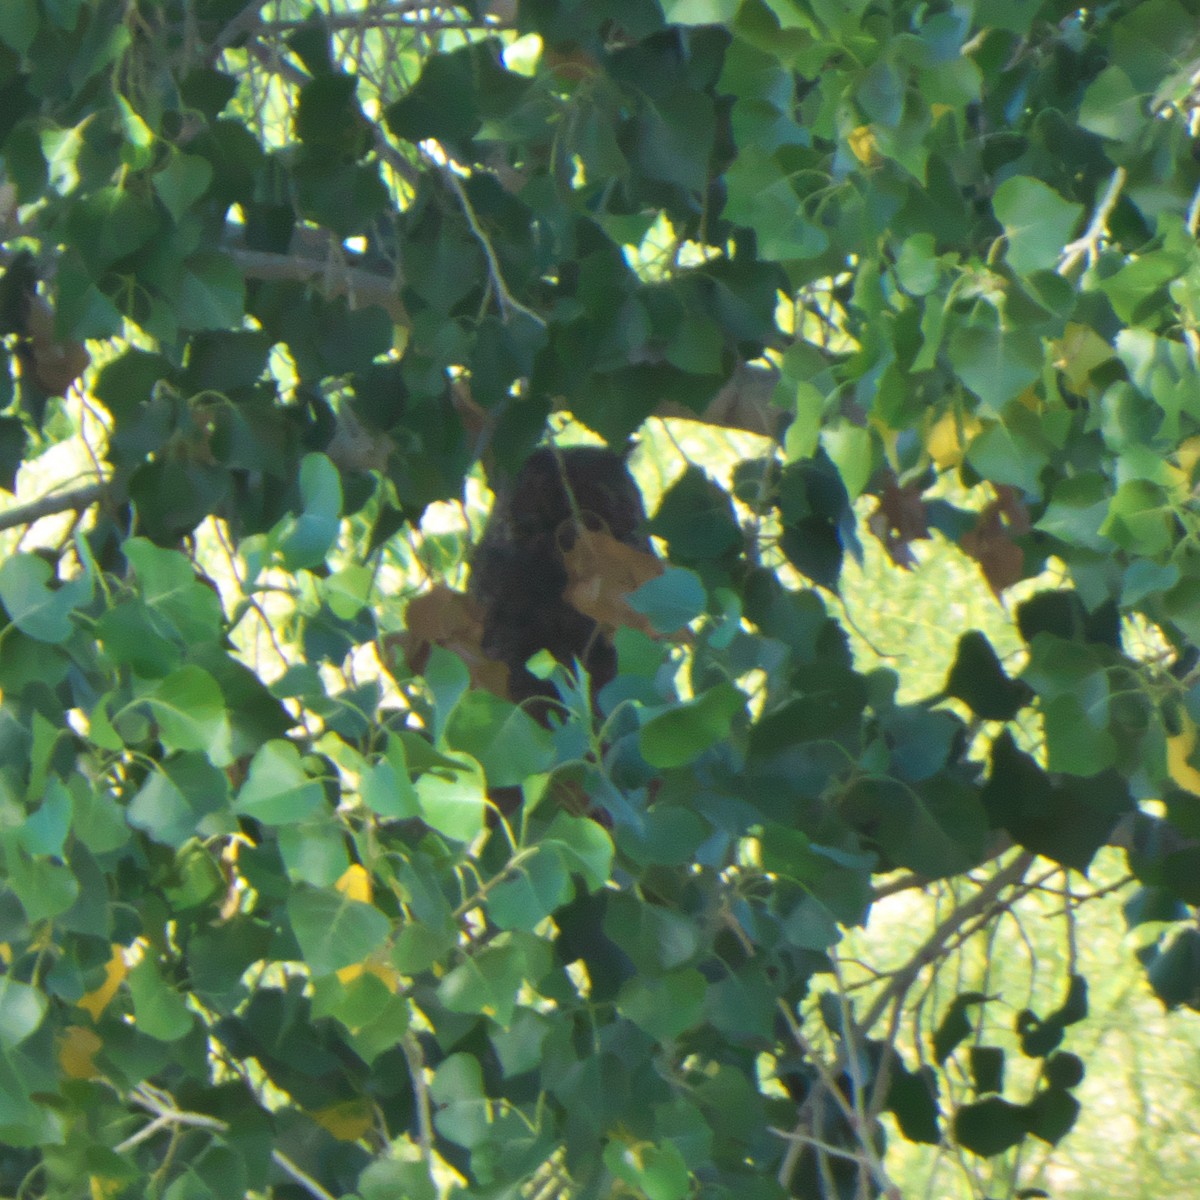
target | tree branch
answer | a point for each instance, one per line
(1088, 245)
(168, 1116)
(75, 500)
(933, 945)
(356, 284)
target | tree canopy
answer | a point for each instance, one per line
(280, 280)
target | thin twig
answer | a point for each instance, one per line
(307, 1182)
(508, 303)
(933, 946)
(167, 1116)
(416, 1070)
(1088, 246)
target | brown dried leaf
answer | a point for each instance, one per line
(452, 620)
(601, 572)
(899, 520)
(991, 542)
(56, 364)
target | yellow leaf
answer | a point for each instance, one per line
(104, 1188)
(382, 971)
(348, 1120)
(355, 883)
(948, 437)
(5, 954)
(1179, 766)
(96, 1001)
(863, 144)
(1078, 352)
(1188, 455)
(77, 1048)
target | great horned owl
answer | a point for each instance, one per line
(517, 572)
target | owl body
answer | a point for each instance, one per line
(518, 575)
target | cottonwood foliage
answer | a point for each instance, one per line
(258, 932)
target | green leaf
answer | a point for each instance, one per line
(1052, 1114)
(913, 1100)
(990, 1126)
(190, 711)
(22, 1009)
(386, 1178)
(452, 799)
(38, 608)
(979, 681)
(1037, 221)
(169, 586)
(533, 891)
(700, 12)
(1111, 106)
(851, 450)
(954, 1026)
(697, 519)
(134, 636)
(1073, 742)
(1173, 971)
(657, 1172)
(183, 179)
(508, 743)
(45, 829)
(1067, 820)
(159, 1011)
(19, 24)
(1077, 510)
(486, 983)
(277, 788)
(348, 591)
(1011, 451)
(585, 846)
(175, 802)
(211, 293)
(314, 851)
(762, 198)
(333, 930)
(1140, 280)
(1140, 518)
(46, 889)
(665, 1006)
(677, 736)
(937, 828)
(306, 539)
(463, 1115)
(996, 363)
(656, 938)
(386, 787)
(672, 600)
(110, 224)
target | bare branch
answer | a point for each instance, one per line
(932, 947)
(359, 286)
(1088, 246)
(168, 1116)
(507, 302)
(75, 500)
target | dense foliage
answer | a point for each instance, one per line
(289, 273)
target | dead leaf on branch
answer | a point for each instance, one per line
(55, 363)
(991, 542)
(601, 572)
(452, 620)
(900, 520)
